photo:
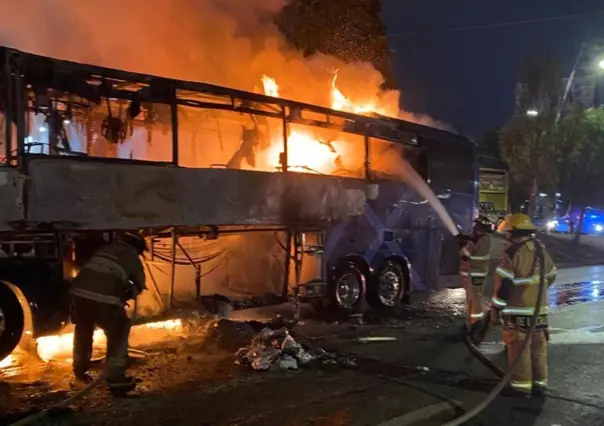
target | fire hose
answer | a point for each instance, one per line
(505, 377)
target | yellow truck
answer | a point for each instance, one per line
(493, 194)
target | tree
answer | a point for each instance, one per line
(527, 142)
(580, 138)
(351, 30)
(488, 149)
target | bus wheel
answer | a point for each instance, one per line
(12, 319)
(388, 287)
(349, 289)
(346, 294)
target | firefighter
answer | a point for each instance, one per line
(473, 270)
(515, 292)
(113, 275)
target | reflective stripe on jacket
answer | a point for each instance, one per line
(516, 282)
(477, 264)
(105, 277)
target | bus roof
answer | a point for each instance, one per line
(90, 82)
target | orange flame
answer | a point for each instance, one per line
(270, 86)
(7, 362)
(342, 103)
(61, 345)
(306, 152)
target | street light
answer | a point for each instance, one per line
(532, 113)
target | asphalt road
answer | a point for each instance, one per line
(575, 357)
(424, 377)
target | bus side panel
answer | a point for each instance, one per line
(394, 224)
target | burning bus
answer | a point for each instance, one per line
(247, 195)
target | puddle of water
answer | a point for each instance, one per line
(572, 294)
(491, 348)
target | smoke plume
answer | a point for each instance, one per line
(224, 42)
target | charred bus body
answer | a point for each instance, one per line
(398, 244)
(209, 174)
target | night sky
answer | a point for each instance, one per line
(467, 78)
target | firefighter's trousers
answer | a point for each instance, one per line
(531, 372)
(474, 298)
(114, 322)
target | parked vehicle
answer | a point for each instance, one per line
(593, 222)
(494, 194)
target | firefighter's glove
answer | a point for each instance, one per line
(495, 316)
(462, 239)
(464, 258)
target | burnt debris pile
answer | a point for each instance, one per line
(276, 349)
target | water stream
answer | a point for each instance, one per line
(391, 162)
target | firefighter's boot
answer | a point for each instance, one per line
(121, 386)
(477, 332)
(515, 393)
(84, 378)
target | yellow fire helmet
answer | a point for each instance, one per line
(517, 221)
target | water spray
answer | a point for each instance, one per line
(390, 161)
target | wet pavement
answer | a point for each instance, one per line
(425, 373)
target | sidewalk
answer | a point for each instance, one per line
(589, 252)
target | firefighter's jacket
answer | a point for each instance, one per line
(475, 259)
(516, 282)
(109, 275)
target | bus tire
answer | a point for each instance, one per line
(13, 320)
(389, 286)
(346, 293)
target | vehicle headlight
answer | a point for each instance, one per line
(599, 228)
(552, 224)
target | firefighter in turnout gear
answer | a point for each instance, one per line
(515, 293)
(113, 275)
(474, 267)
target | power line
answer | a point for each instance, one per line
(501, 24)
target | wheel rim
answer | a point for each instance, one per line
(389, 287)
(348, 290)
(13, 320)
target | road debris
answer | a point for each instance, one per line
(277, 349)
(376, 339)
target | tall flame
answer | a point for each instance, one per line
(270, 86)
(342, 103)
(305, 151)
